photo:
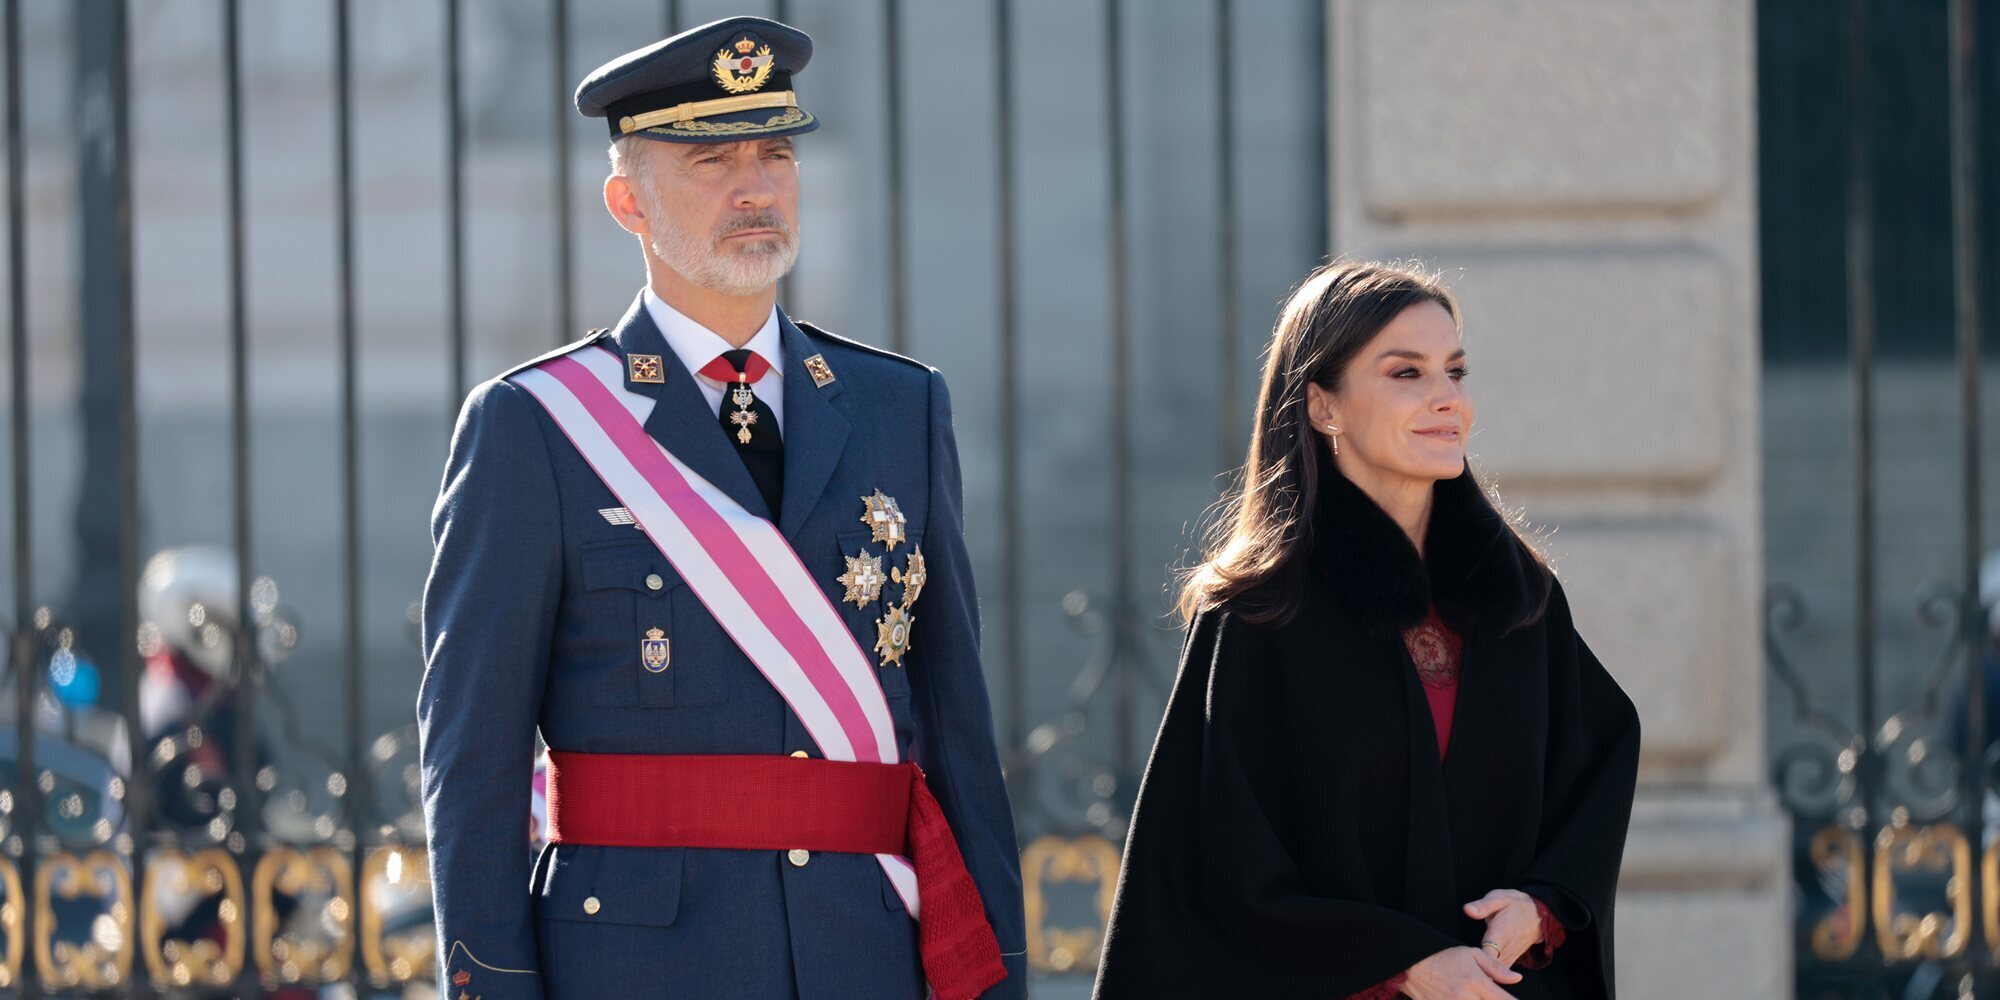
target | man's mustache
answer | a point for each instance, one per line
(762, 220)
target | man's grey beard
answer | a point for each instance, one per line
(747, 270)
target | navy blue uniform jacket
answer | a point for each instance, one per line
(533, 618)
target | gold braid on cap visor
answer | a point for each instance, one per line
(702, 109)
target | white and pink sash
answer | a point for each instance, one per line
(737, 564)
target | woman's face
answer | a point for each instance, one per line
(1402, 413)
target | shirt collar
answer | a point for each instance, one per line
(697, 345)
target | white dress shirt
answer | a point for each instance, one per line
(697, 345)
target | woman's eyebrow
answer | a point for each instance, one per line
(1417, 355)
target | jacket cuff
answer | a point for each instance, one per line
(1553, 934)
(1388, 989)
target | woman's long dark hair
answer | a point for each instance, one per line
(1254, 555)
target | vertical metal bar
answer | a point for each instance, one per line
(1225, 251)
(1125, 612)
(138, 799)
(355, 797)
(1861, 341)
(454, 202)
(892, 85)
(1963, 33)
(27, 798)
(785, 284)
(1010, 381)
(565, 256)
(672, 12)
(249, 678)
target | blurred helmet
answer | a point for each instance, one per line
(189, 595)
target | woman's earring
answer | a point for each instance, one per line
(1334, 435)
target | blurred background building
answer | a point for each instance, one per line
(1720, 260)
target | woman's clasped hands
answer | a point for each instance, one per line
(1513, 925)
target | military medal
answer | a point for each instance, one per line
(892, 636)
(822, 375)
(863, 579)
(654, 651)
(743, 419)
(885, 519)
(913, 579)
(739, 391)
(645, 368)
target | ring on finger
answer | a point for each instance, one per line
(1495, 945)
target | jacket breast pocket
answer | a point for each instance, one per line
(886, 577)
(651, 611)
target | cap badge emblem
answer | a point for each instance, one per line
(743, 66)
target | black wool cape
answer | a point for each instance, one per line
(1296, 834)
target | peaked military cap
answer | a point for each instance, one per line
(725, 81)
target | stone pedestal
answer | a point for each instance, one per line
(1584, 173)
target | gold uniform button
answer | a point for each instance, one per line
(798, 857)
(800, 753)
(653, 581)
(591, 906)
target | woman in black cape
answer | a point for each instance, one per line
(1389, 766)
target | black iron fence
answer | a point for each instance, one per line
(1889, 772)
(1084, 213)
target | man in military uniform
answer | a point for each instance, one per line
(717, 559)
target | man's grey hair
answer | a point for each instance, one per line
(631, 158)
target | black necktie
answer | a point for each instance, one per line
(752, 427)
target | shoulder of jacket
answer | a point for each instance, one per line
(817, 333)
(591, 338)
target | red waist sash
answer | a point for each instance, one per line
(748, 802)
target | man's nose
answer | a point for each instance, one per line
(755, 190)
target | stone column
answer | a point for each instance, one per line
(1584, 173)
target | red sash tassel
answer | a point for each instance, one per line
(747, 802)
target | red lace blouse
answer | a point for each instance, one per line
(1439, 653)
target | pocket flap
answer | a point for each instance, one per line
(628, 566)
(630, 885)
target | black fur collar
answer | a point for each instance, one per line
(1480, 575)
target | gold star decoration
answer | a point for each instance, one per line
(885, 518)
(822, 375)
(892, 636)
(863, 579)
(645, 368)
(913, 579)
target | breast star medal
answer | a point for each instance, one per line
(863, 579)
(892, 636)
(654, 651)
(885, 519)
(913, 578)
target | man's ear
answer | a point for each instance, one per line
(621, 199)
